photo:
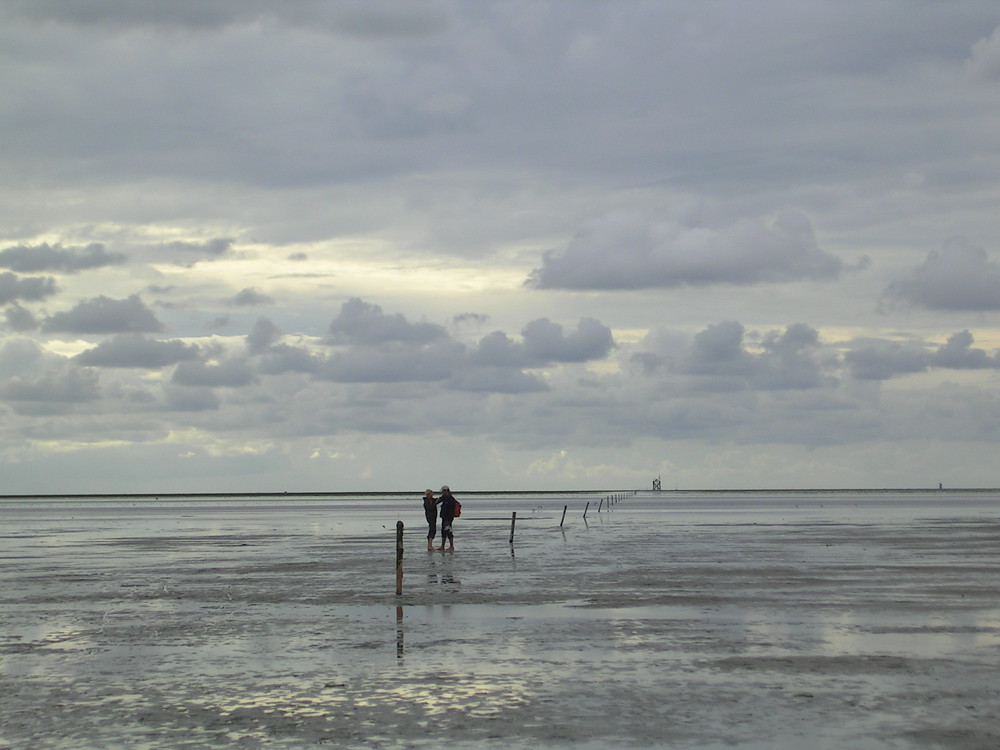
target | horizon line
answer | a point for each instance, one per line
(401, 493)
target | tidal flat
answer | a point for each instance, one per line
(868, 620)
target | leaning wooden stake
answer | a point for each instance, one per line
(600, 504)
(399, 557)
(513, 520)
(585, 509)
(563, 516)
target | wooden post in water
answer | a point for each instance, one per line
(586, 507)
(513, 520)
(600, 504)
(399, 558)
(563, 516)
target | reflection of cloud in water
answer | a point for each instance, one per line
(887, 634)
(361, 709)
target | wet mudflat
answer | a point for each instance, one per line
(687, 621)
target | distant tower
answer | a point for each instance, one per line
(656, 485)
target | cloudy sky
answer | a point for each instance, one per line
(318, 245)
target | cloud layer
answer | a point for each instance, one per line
(622, 252)
(251, 245)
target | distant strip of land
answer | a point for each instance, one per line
(503, 493)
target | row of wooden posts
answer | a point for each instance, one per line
(607, 502)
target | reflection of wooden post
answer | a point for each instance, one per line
(513, 520)
(563, 516)
(399, 632)
(399, 557)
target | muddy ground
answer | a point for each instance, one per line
(864, 621)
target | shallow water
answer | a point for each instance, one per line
(688, 620)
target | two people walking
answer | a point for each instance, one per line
(448, 505)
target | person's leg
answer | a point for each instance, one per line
(431, 531)
(445, 531)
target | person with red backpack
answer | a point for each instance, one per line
(450, 508)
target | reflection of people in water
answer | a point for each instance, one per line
(442, 573)
(447, 502)
(431, 514)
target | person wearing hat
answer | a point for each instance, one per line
(431, 514)
(447, 502)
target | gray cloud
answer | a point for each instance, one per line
(485, 369)
(788, 360)
(22, 356)
(984, 62)
(543, 342)
(232, 373)
(19, 319)
(393, 363)
(792, 359)
(104, 315)
(719, 358)
(186, 253)
(54, 258)
(33, 288)
(251, 297)
(115, 14)
(473, 319)
(958, 354)
(136, 350)
(626, 252)
(718, 350)
(263, 335)
(374, 347)
(363, 323)
(222, 321)
(65, 386)
(880, 360)
(194, 399)
(960, 277)
(365, 19)
(497, 349)
(496, 380)
(281, 358)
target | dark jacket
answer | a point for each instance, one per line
(430, 509)
(447, 502)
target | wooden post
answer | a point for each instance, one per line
(600, 504)
(563, 516)
(399, 558)
(513, 520)
(585, 509)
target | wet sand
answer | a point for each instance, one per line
(678, 620)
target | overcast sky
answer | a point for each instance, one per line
(315, 245)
